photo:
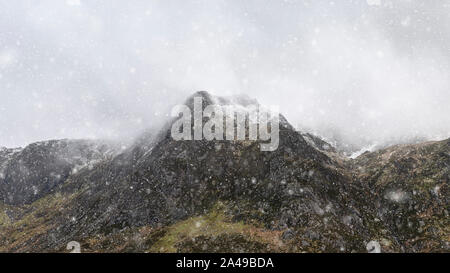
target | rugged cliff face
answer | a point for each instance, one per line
(33, 172)
(229, 196)
(408, 187)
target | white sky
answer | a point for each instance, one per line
(363, 72)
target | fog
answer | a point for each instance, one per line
(358, 73)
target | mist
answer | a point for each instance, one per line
(358, 73)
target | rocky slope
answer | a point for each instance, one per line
(408, 186)
(229, 196)
(31, 173)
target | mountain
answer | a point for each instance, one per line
(31, 173)
(163, 195)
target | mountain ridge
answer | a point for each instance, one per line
(172, 195)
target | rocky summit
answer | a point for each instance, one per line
(162, 195)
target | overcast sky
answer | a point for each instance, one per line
(363, 72)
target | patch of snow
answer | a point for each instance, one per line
(397, 196)
(370, 148)
(373, 247)
(436, 190)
